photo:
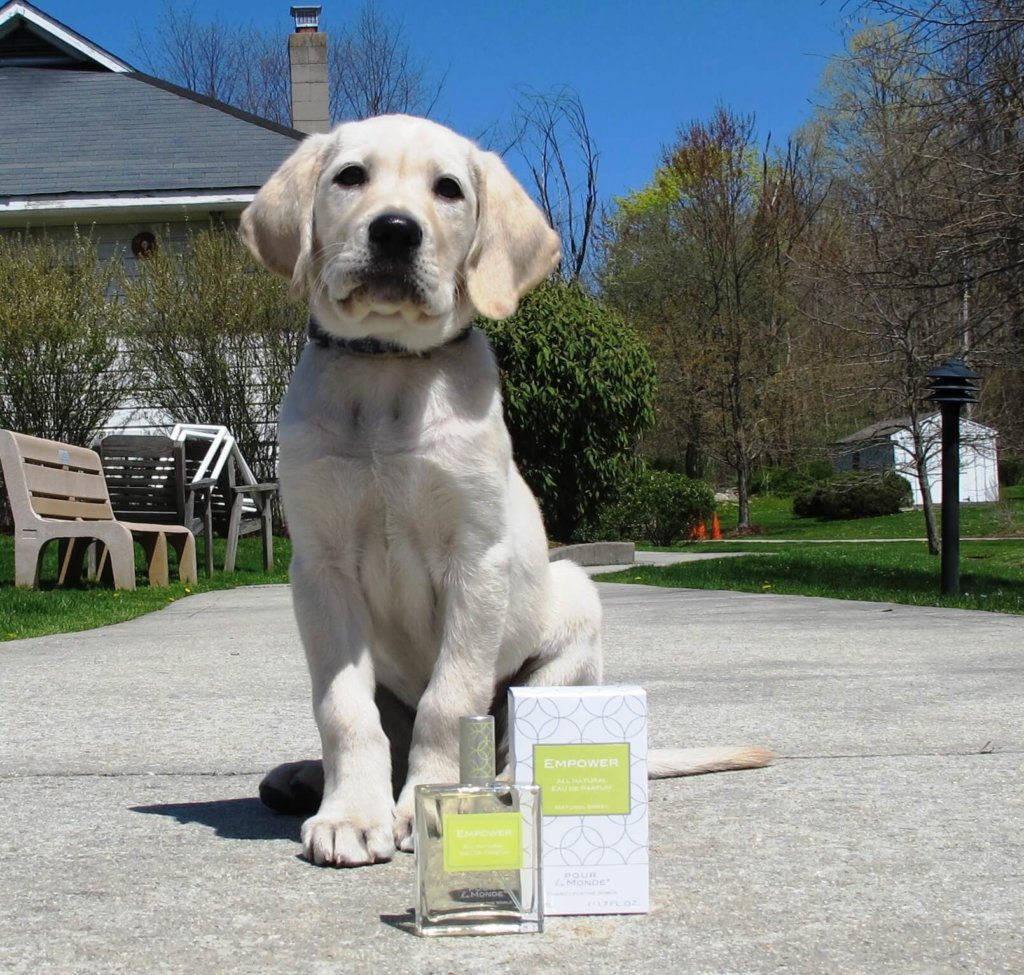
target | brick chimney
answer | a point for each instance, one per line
(307, 55)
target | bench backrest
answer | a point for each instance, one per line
(55, 480)
(222, 495)
(145, 477)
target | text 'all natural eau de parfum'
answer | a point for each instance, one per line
(478, 847)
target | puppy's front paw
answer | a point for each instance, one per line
(337, 841)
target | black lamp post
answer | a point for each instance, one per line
(952, 385)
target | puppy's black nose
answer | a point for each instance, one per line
(395, 235)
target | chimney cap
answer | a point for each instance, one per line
(307, 18)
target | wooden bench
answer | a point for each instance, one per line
(236, 507)
(147, 482)
(57, 492)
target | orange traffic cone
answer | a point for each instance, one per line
(698, 532)
(716, 528)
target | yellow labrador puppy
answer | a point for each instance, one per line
(420, 561)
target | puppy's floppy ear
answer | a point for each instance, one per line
(278, 225)
(514, 248)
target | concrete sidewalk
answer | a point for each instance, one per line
(887, 839)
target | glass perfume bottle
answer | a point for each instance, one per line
(478, 847)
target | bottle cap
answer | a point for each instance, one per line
(476, 750)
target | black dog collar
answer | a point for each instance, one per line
(371, 346)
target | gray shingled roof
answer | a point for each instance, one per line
(71, 133)
(876, 433)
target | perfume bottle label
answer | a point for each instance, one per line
(583, 780)
(483, 841)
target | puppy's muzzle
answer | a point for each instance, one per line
(392, 273)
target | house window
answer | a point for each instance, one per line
(855, 464)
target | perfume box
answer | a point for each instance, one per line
(586, 747)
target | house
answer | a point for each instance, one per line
(888, 445)
(89, 142)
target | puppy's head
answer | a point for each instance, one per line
(400, 229)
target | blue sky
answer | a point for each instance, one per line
(643, 68)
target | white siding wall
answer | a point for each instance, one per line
(113, 239)
(979, 475)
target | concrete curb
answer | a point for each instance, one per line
(596, 553)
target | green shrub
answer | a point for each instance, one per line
(656, 506)
(218, 338)
(1011, 470)
(60, 371)
(798, 479)
(857, 494)
(578, 385)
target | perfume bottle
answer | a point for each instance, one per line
(478, 847)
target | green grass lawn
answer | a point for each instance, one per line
(992, 572)
(30, 612)
(991, 578)
(773, 518)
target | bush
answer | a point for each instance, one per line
(656, 506)
(578, 385)
(60, 374)
(1011, 471)
(218, 337)
(858, 494)
(799, 479)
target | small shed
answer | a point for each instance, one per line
(888, 445)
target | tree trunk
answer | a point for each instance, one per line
(929, 523)
(694, 462)
(921, 469)
(743, 493)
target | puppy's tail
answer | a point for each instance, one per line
(669, 763)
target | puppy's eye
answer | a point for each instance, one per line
(448, 188)
(351, 176)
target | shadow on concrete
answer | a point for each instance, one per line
(232, 819)
(401, 922)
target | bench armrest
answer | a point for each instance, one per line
(266, 488)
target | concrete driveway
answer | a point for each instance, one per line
(887, 838)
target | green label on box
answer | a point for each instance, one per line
(483, 841)
(583, 780)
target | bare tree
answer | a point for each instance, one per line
(898, 275)
(210, 57)
(216, 338)
(968, 59)
(262, 78)
(371, 67)
(553, 138)
(374, 72)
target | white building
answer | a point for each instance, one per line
(888, 445)
(89, 143)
